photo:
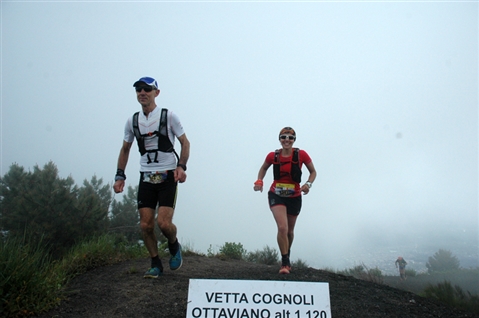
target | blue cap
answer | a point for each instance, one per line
(146, 80)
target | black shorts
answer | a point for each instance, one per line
(161, 194)
(293, 204)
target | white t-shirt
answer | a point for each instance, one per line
(166, 160)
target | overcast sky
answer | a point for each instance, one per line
(383, 96)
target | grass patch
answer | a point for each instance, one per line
(28, 282)
(100, 251)
(31, 283)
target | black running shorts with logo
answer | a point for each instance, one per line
(162, 194)
(293, 204)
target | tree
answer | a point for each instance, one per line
(93, 202)
(44, 206)
(124, 217)
(441, 261)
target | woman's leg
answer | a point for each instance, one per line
(281, 218)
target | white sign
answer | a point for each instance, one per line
(215, 298)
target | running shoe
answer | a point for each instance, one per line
(176, 261)
(153, 272)
(285, 269)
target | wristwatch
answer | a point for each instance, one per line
(309, 184)
(182, 166)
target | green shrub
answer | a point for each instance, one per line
(267, 255)
(233, 250)
(211, 252)
(363, 272)
(355, 271)
(299, 264)
(375, 272)
(442, 261)
(453, 296)
(411, 273)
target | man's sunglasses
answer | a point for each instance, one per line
(289, 137)
(145, 88)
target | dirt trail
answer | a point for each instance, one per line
(121, 291)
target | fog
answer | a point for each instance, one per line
(383, 97)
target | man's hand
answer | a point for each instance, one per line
(180, 175)
(118, 186)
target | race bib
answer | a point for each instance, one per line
(284, 189)
(155, 177)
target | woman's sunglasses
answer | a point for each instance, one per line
(145, 88)
(289, 137)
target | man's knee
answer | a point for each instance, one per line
(147, 219)
(165, 220)
(147, 227)
(164, 224)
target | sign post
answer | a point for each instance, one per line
(214, 298)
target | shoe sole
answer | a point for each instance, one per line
(175, 269)
(285, 270)
(181, 262)
(152, 276)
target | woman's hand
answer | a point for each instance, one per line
(258, 188)
(305, 188)
(258, 185)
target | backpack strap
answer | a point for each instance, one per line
(163, 132)
(295, 156)
(295, 169)
(162, 128)
(276, 165)
(139, 138)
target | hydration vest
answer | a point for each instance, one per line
(295, 169)
(164, 142)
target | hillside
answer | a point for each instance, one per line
(121, 291)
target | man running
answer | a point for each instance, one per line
(160, 170)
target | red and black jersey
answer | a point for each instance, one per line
(287, 172)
